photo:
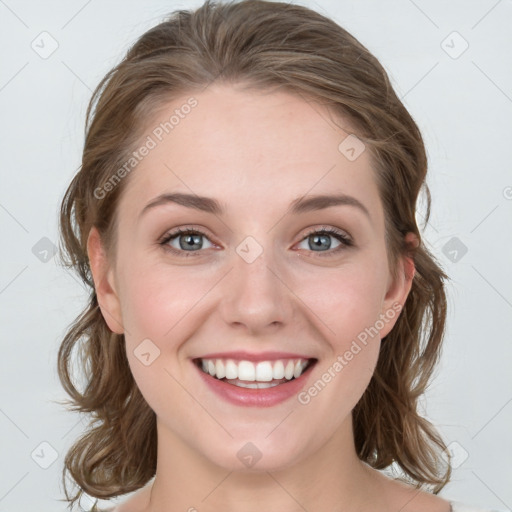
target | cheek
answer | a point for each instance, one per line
(348, 304)
(347, 300)
(158, 307)
(162, 308)
(156, 299)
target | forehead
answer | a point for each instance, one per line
(246, 146)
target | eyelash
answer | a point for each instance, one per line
(341, 237)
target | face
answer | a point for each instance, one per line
(263, 277)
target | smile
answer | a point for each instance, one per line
(247, 374)
(254, 380)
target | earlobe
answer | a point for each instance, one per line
(104, 285)
(399, 290)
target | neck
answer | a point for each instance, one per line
(328, 477)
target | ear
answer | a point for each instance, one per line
(104, 285)
(399, 288)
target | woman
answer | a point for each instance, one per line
(264, 314)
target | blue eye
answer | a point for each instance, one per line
(186, 242)
(322, 240)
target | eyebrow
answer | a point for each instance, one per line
(299, 205)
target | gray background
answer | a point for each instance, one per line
(460, 97)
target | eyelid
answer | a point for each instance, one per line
(342, 236)
(171, 233)
(330, 230)
(164, 240)
(346, 241)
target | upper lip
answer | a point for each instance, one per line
(241, 355)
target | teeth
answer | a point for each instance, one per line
(231, 370)
(288, 372)
(220, 371)
(246, 371)
(263, 372)
(256, 385)
(298, 369)
(278, 372)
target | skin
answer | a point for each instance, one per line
(254, 152)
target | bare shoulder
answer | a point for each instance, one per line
(421, 501)
(406, 498)
(137, 502)
(409, 499)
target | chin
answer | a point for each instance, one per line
(255, 454)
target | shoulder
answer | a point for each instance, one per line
(407, 498)
(458, 506)
(118, 508)
(96, 509)
(415, 500)
(138, 500)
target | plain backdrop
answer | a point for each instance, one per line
(450, 62)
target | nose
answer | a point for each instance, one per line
(255, 296)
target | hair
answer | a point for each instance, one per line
(263, 45)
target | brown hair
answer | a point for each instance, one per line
(263, 44)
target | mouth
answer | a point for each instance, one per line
(255, 375)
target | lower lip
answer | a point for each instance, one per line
(255, 397)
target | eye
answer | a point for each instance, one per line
(182, 241)
(186, 241)
(321, 239)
